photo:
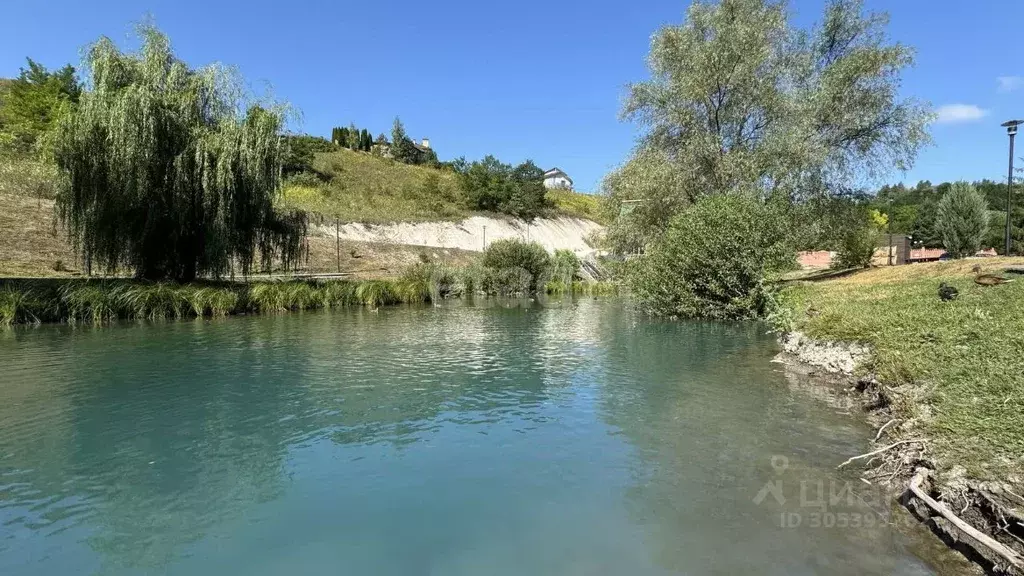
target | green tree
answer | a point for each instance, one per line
(32, 102)
(402, 148)
(961, 219)
(739, 97)
(494, 186)
(365, 141)
(353, 137)
(161, 171)
(860, 235)
(716, 260)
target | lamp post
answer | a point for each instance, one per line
(888, 228)
(1011, 131)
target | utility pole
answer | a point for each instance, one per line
(1011, 130)
(888, 227)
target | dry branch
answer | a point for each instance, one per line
(879, 451)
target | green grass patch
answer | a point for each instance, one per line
(367, 188)
(579, 205)
(362, 187)
(960, 363)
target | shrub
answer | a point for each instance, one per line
(565, 267)
(962, 220)
(514, 281)
(529, 257)
(715, 260)
(858, 241)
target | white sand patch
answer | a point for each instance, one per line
(563, 233)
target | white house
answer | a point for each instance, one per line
(555, 178)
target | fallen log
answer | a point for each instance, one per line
(1005, 552)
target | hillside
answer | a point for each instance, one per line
(366, 188)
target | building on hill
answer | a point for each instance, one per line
(381, 147)
(555, 178)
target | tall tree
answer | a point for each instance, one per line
(162, 172)
(739, 97)
(32, 102)
(353, 136)
(402, 148)
(962, 220)
(365, 141)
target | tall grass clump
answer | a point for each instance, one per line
(430, 282)
(377, 293)
(335, 293)
(151, 301)
(91, 302)
(211, 301)
(16, 306)
(268, 297)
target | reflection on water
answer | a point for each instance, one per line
(497, 439)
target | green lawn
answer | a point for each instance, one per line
(960, 363)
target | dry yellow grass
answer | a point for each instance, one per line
(30, 245)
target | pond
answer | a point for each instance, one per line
(498, 438)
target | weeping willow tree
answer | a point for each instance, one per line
(171, 171)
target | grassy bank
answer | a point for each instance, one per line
(955, 369)
(101, 301)
(361, 187)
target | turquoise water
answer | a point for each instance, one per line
(459, 440)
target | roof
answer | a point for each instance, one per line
(556, 172)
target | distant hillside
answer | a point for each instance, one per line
(371, 189)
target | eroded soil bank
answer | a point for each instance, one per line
(982, 520)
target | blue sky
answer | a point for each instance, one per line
(528, 79)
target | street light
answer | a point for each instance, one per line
(1011, 130)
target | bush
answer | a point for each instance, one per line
(962, 220)
(565, 267)
(858, 241)
(528, 257)
(715, 260)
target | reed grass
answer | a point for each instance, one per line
(78, 301)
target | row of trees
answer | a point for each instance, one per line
(914, 210)
(778, 119)
(352, 138)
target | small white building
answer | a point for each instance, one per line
(555, 178)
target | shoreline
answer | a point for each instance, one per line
(104, 301)
(979, 522)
